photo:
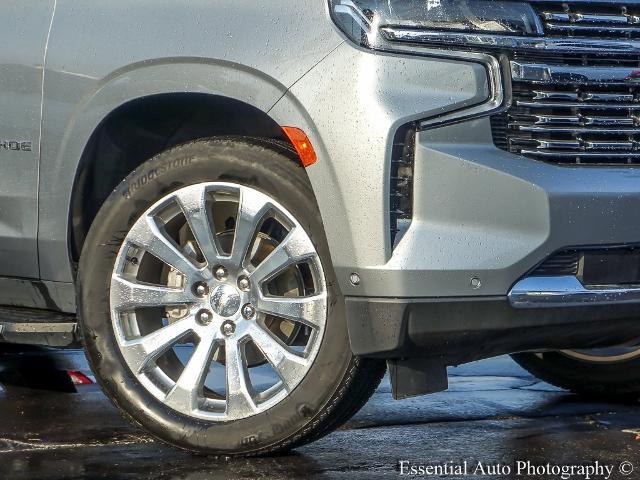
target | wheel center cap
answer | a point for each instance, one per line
(225, 300)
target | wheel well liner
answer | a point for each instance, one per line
(140, 129)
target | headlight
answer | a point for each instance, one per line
(365, 21)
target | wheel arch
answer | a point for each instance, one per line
(213, 90)
(142, 128)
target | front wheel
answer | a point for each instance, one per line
(606, 372)
(208, 303)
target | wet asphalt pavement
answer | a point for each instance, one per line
(494, 413)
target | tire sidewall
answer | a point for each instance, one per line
(579, 376)
(263, 167)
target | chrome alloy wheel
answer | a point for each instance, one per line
(226, 274)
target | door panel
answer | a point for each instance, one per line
(23, 37)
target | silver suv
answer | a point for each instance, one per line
(246, 210)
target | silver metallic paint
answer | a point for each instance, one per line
(104, 55)
(23, 36)
(353, 103)
(350, 101)
(485, 213)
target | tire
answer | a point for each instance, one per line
(580, 373)
(336, 384)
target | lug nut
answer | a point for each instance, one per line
(220, 273)
(248, 311)
(244, 284)
(204, 317)
(228, 328)
(200, 289)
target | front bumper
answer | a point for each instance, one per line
(451, 332)
(483, 217)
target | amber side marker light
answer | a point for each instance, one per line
(302, 144)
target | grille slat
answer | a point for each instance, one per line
(585, 96)
(574, 130)
(577, 120)
(591, 29)
(578, 105)
(578, 146)
(586, 18)
(556, 120)
(576, 157)
(608, 145)
(609, 121)
(591, 19)
(559, 144)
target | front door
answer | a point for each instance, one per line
(23, 37)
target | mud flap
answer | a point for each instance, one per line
(417, 376)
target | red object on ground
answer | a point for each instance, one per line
(79, 378)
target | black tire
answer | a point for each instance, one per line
(613, 380)
(337, 385)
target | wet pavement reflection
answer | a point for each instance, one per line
(494, 412)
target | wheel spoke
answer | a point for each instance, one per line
(251, 210)
(146, 234)
(295, 248)
(289, 366)
(188, 389)
(127, 295)
(239, 400)
(311, 311)
(193, 202)
(142, 352)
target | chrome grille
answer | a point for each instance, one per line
(572, 114)
(591, 19)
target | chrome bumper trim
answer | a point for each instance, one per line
(567, 291)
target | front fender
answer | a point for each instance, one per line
(69, 126)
